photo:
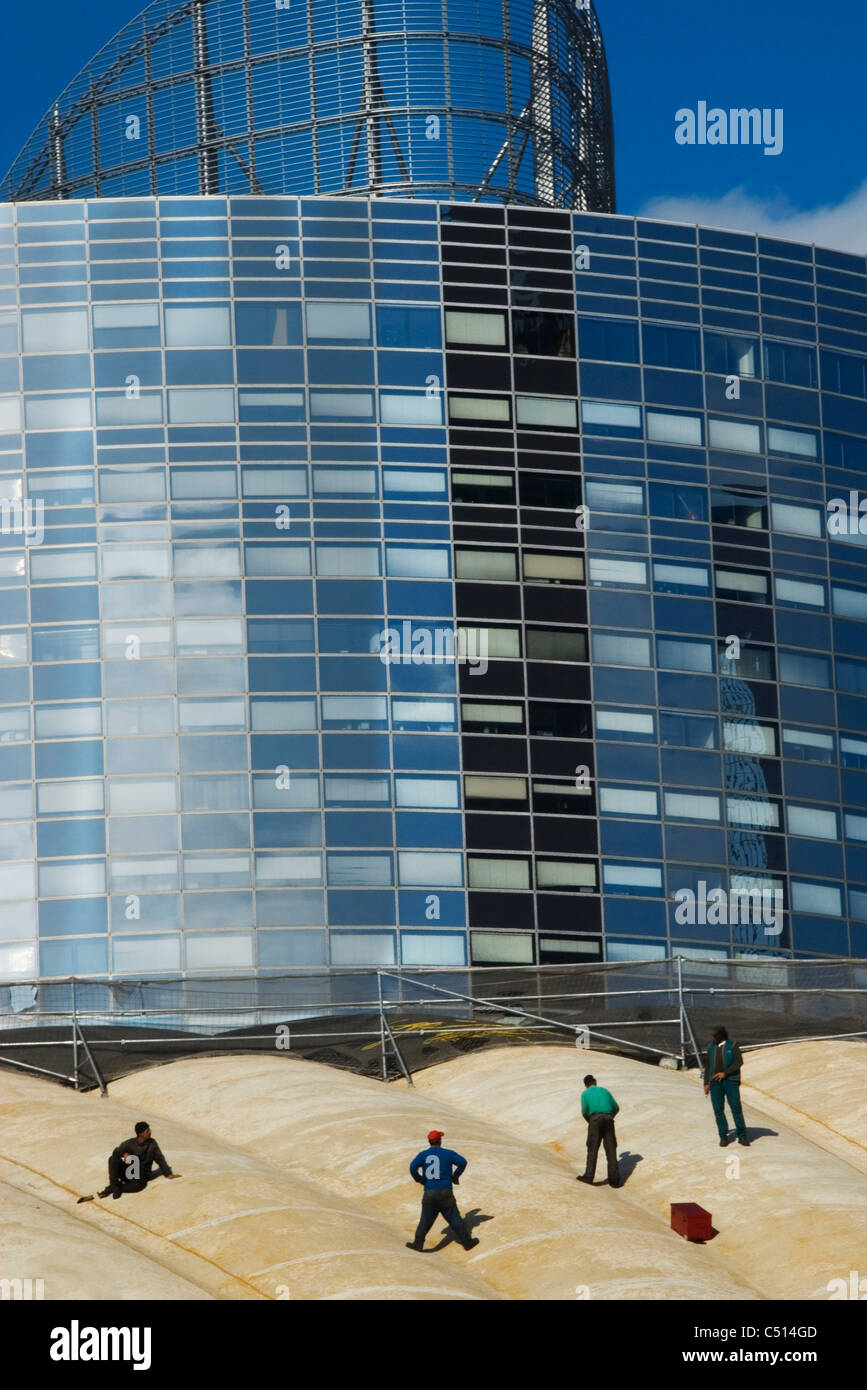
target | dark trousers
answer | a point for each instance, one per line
(442, 1203)
(119, 1179)
(600, 1130)
(720, 1092)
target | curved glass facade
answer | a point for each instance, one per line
(397, 582)
(494, 100)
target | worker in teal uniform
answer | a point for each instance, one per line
(722, 1081)
(599, 1107)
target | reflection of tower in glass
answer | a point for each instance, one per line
(506, 101)
(744, 745)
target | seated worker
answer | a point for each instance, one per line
(129, 1165)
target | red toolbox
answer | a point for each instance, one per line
(691, 1221)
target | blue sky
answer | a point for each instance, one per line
(807, 58)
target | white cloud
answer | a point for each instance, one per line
(842, 227)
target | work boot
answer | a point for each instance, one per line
(472, 1243)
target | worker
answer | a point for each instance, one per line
(129, 1165)
(722, 1080)
(599, 1107)
(438, 1169)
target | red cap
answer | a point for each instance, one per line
(435, 1134)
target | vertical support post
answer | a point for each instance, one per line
(205, 123)
(447, 91)
(255, 186)
(543, 104)
(369, 97)
(74, 1039)
(582, 72)
(149, 106)
(58, 156)
(680, 1010)
(314, 106)
(381, 1025)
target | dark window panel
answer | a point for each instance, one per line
(471, 214)
(501, 678)
(555, 757)
(747, 621)
(545, 602)
(481, 601)
(531, 217)
(567, 914)
(572, 682)
(547, 490)
(491, 754)
(475, 371)
(493, 910)
(754, 540)
(506, 832)
(456, 293)
(485, 523)
(545, 377)
(526, 294)
(492, 457)
(483, 532)
(553, 719)
(472, 256)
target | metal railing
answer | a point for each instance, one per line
(379, 1020)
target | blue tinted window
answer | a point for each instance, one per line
(609, 340)
(671, 347)
(844, 373)
(408, 369)
(87, 956)
(678, 501)
(399, 327)
(688, 730)
(270, 365)
(852, 677)
(729, 354)
(273, 325)
(789, 363)
(72, 916)
(840, 413)
(673, 388)
(78, 759)
(614, 383)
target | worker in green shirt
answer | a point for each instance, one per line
(599, 1107)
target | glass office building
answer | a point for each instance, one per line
(410, 580)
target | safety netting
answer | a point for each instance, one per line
(389, 1022)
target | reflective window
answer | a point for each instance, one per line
(338, 321)
(54, 330)
(197, 325)
(608, 340)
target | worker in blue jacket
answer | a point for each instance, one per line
(437, 1169)
(722, 1081)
